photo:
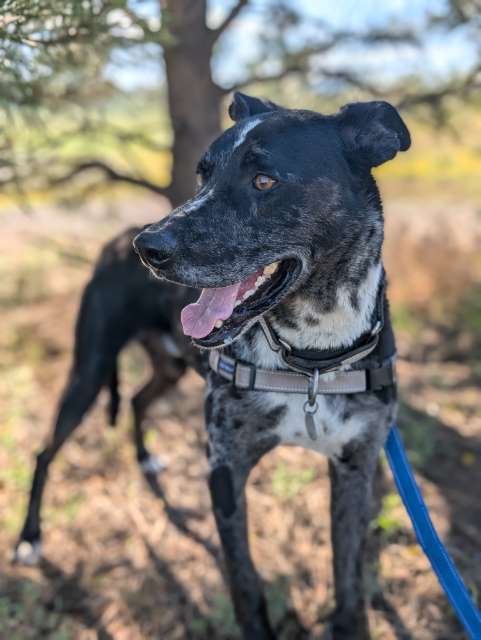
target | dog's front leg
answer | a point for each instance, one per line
(232, 454)
(228, 499)
(351, 489)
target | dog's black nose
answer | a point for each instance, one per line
(156, 249)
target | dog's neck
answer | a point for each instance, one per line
(305, 323)
(335, 305)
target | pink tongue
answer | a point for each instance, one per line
(198, 319)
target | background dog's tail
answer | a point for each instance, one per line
(114, 400)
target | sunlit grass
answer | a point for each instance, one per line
(18, 387)
(24, 615)
(389, 519)
(440, 162)
(288, 482)
(405, 319)
(419, 434)
(220, 615)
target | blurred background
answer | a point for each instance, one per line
(105, 108)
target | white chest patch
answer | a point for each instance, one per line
(334, 329)
(332, 432)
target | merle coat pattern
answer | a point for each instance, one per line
(324, 215)
(323, 220)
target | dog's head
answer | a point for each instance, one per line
(278, 193)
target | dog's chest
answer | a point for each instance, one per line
(334, 425)
(337, 421)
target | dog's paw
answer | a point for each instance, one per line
(27, 553)
(152, 465)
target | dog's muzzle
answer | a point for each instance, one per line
(156, 249)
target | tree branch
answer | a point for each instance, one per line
(111, 174)
(297, 61)
(271, 77)
(236, 9)
(471, 82)
(343, 75)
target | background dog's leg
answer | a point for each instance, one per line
(166, 371)
(114, 400)
(351, 490)
(78, 397)
(152, 390)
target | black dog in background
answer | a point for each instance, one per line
(120, 303)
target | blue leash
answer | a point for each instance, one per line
(439, 558)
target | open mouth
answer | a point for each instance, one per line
(222, 314)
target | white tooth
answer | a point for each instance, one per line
(218, 324)
(271, 268)
(237, 303)
(260, 280)
(247, 294)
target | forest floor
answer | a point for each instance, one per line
(122, 564)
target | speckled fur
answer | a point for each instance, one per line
(327, 214)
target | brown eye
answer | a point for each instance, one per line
(263, 182)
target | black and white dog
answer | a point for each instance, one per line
(284, 236)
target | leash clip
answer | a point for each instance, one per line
(310, 406)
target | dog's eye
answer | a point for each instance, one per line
(263, 182)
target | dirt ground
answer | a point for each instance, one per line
(123, 564)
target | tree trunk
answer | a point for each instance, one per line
(194, 98)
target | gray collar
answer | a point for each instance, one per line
(248, 376)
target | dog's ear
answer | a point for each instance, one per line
(373, 131)
(243, 106)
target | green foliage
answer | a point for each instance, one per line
(467, 320)
(23, 615)
(221, 615)
(46, 46)
(55, 89)
(405, 319)
(15, 475)
(288, 482)
(470, 309)
(277, 595)
(387, 519)
(419, 434)
(67, 511)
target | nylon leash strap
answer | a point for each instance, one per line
(428, 538)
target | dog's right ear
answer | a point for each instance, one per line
(244, 106)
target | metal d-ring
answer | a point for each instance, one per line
(309, 408)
